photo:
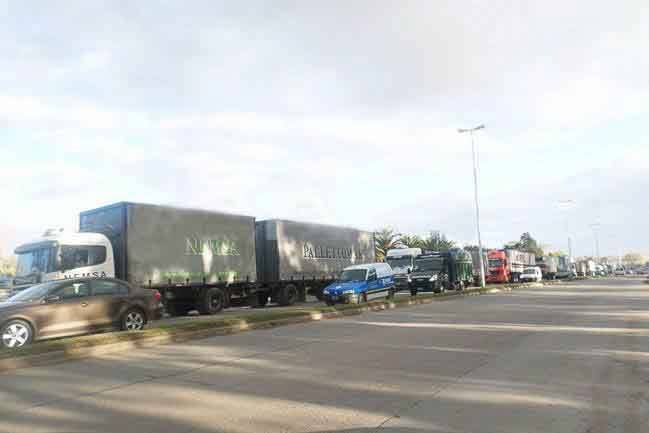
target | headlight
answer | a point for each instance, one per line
(409, 279)
(348, 292)
(433, 278)
(325, 291)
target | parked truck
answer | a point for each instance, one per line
(565, 268)
(197, 259)
(438, 271)
(506, 266)
(549, 266)
(402, 260)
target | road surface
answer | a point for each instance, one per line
(570, 358)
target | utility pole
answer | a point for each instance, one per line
(475, 192)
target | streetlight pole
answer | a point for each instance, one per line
(566, 204)
(475, 191)
(595, 228)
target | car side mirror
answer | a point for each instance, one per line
(52, 298)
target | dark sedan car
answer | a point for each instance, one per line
(76, 306)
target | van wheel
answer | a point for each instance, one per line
(16, 333)
(362, 298)
(211, 301)
(288, 295)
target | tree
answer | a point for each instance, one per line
(385, 239)
(412, 241)
(437, 241)
(526, 243)
(556, 253)
(8, 266)
(633, 259)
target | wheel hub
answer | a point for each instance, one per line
(15, 336)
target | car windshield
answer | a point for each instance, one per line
(34, 293)
(353, 275)
(529, 271)
(495, 263)
(399, 262)
(34, 261)
(429, 264)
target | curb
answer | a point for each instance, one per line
(74, 353)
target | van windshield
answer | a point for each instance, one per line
(353, 275)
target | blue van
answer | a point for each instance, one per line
(360, 283)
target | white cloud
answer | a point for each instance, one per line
(337, 112)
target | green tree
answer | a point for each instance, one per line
(437, 241)
(556, 253)
(8, 266)
(412, 241)
(526, 243)
(385, 239)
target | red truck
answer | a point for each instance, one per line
(506, 266)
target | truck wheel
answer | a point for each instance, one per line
(288, 295)
(211, 302)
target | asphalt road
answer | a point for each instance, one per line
(571, 358)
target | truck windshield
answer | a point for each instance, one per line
(495, 263)
(429, 264)
(399, 262)
(35, 261)
(353, 275)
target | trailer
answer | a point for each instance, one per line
(475, 260)
(197, 259)
(307, 257)
(549, 266)
(564, 267)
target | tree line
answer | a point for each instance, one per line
(387, 238)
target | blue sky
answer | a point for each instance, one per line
(338, 112)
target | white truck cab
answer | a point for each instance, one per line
(401, 260)
(59, 255)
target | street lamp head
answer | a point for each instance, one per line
(462, 130)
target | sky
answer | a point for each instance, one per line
(340, 112)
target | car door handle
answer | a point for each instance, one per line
(84, 304)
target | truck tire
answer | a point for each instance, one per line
(211, 301)
(287, 295)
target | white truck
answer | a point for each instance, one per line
(197, 259)
(402, 260)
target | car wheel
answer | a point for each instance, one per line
(133, 320)
(329, 302)
(413, 292)
(16, 333)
